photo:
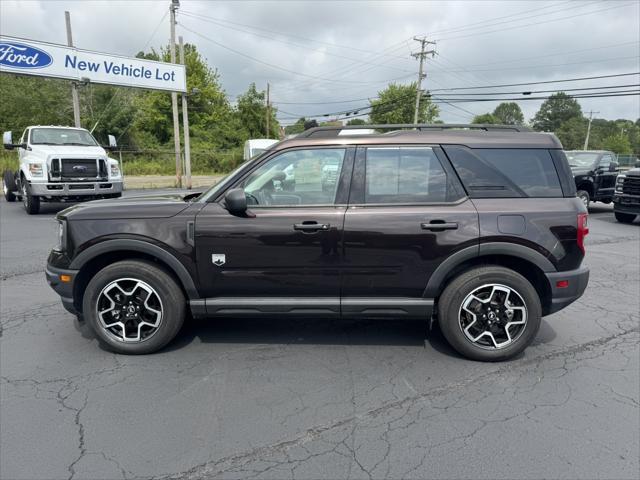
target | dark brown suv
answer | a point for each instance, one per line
(477, 227)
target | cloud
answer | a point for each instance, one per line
(357, 47)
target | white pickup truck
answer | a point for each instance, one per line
(60, 164)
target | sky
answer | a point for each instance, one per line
(324, 57)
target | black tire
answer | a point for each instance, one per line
(624, 217)
(9, 186)
(451, 314)
(31, 202)
(584, 196)
(168, 296)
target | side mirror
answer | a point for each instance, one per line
(112, 142)
(7, 140)
(235, 200)
(613, 167)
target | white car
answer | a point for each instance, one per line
(60, 164)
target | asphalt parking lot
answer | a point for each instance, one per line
(318, 399)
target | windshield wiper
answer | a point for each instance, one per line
(78, 144)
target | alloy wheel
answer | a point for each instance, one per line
(129, 310)
(493, 316)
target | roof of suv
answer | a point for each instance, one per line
(473, 136)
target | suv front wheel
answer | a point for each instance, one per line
(489, 313)
(134, 307)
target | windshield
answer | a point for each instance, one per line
(256, 151)
(581, 159)
(62, 136)
(218, 187)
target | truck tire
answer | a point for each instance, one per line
(584, 196)
(134, 307)
(489, 313)
(9, 186)
(31, 202)
(624, 217)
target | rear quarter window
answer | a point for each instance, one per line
(505, 172)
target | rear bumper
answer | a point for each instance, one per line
(76, 189)
(64, 289)
(564, 296)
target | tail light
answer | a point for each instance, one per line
(583, 230)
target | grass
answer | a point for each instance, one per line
(155, 162)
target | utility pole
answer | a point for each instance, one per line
(175, 4)
(586, 140)
(185, 124)
(268, 111)
(421, 75)
(74, 84)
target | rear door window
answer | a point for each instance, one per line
(490, 173)
(406, 175)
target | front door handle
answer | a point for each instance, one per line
(439, 225)
(311, 227)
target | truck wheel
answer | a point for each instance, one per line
(31, 202)
(489, 313)
(9, 186)
(624, 217)
(134, 307)
(584, 196)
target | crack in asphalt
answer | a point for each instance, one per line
(222, 465)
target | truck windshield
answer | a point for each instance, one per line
(62, 136)
(581, 159)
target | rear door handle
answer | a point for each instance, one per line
(311, 227)
(438, 225)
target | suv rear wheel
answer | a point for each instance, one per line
(134, 307)
(489, 313)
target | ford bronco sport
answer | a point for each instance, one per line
(477, 227)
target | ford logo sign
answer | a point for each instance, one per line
(19, 55)
(79, 168)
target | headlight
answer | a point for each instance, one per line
(36, 170)
(115, 170)
(61, 237)
(620, 179)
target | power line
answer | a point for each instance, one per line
(293, 72)
(536, 23)
(538, 83)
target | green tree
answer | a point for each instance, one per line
(486, 118)
(618, 143)
(356, 121)
(396, 104)
(252, 112)
(297, 127)
(509, 113)
(572, 133)
(553, 112)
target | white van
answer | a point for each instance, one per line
(256, 146)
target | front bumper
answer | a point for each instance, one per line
(564, 296)
(76, 189)
(64, 289)
(626, 204)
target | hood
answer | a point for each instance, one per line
(634, 172)
(140, 206)
(577, 171)
(69, 150)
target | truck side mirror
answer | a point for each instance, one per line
(235, 200)
(613, 167)
(112, 142)
(7, 140)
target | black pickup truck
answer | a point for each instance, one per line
(594, 172)
(626, 201)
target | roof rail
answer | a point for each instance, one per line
(334, 131)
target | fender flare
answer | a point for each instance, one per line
(478, 251)
(143, 247)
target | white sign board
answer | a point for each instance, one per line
(28, 57)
